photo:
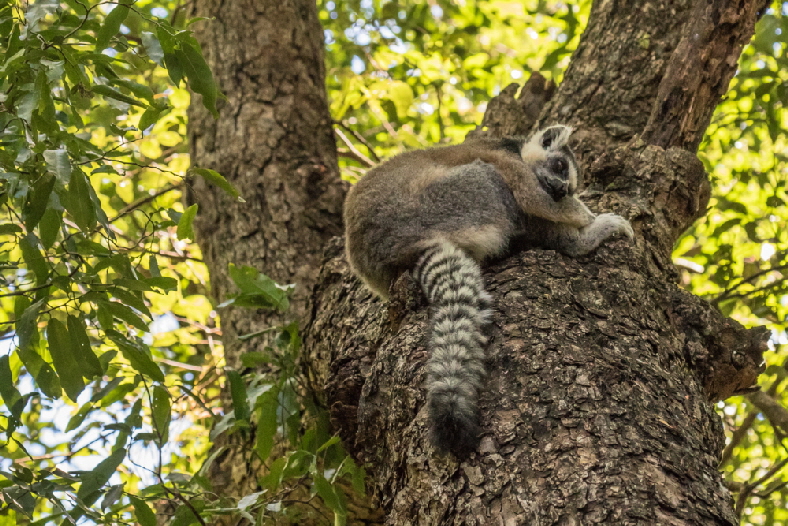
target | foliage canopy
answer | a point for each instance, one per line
(110, 367)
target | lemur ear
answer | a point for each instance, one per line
(555, 137)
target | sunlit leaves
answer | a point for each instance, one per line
(143, 512)
(111, 25)
(87, 198)
(185, 223)
(295, 455)
(217, 179)
(8, 391)
(94, 479)
(64, 360)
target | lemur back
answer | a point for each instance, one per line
(442, 211)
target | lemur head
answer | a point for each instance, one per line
(553, 162)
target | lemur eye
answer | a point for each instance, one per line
(548, 137)
(559, 165)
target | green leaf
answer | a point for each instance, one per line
(79, 203)
(184, 516)
(27, 316)
(94, 480)
(49, 227)
(328, 494)
(60, 348)
(257, 289)
(273, 478)
(104, 316)
(153, 48)
(330, 442)
(153, 267)
(217, 179)
(162, 283)
(111, 25)
(298, 464)
(161, 413)
(171, 60)
(112, 496)
(238, 394)
(34, 259)
(150, 117)
(112, 93)
(359, 479)
(133, 284)
(198, 74)
(11, 397)
(45, 376)
(58, 163)
(76, 420)
(7, 229)
(266, 423)
(37, 201)
(143, 512)
(140, 90)
(185, 224)
(131, 299)
(136, 354)
(25, 106)
(125, 313)
(83, 352)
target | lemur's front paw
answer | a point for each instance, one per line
(612, 224)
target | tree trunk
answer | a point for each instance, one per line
(274, 142)
(601, 371)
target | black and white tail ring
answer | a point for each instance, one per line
(452, 283)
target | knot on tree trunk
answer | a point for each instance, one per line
(515, 111)
(726, 357)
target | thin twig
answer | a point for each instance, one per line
(360, 138)
(746, 491)
(145, 200)
(728, 293)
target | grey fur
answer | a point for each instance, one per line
(442, 211)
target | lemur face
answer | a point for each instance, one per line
(553, 162)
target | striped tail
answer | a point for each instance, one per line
(452, 282)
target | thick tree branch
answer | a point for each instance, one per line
(700, 70)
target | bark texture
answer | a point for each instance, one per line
(602, 372)
(274, 142)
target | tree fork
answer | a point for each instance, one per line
(598, 406)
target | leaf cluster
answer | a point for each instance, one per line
(102, 306)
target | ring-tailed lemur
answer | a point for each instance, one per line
(438, 213)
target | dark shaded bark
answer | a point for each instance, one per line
(602, 373)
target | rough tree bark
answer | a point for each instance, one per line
(597, 408)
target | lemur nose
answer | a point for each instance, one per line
(557, 188)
